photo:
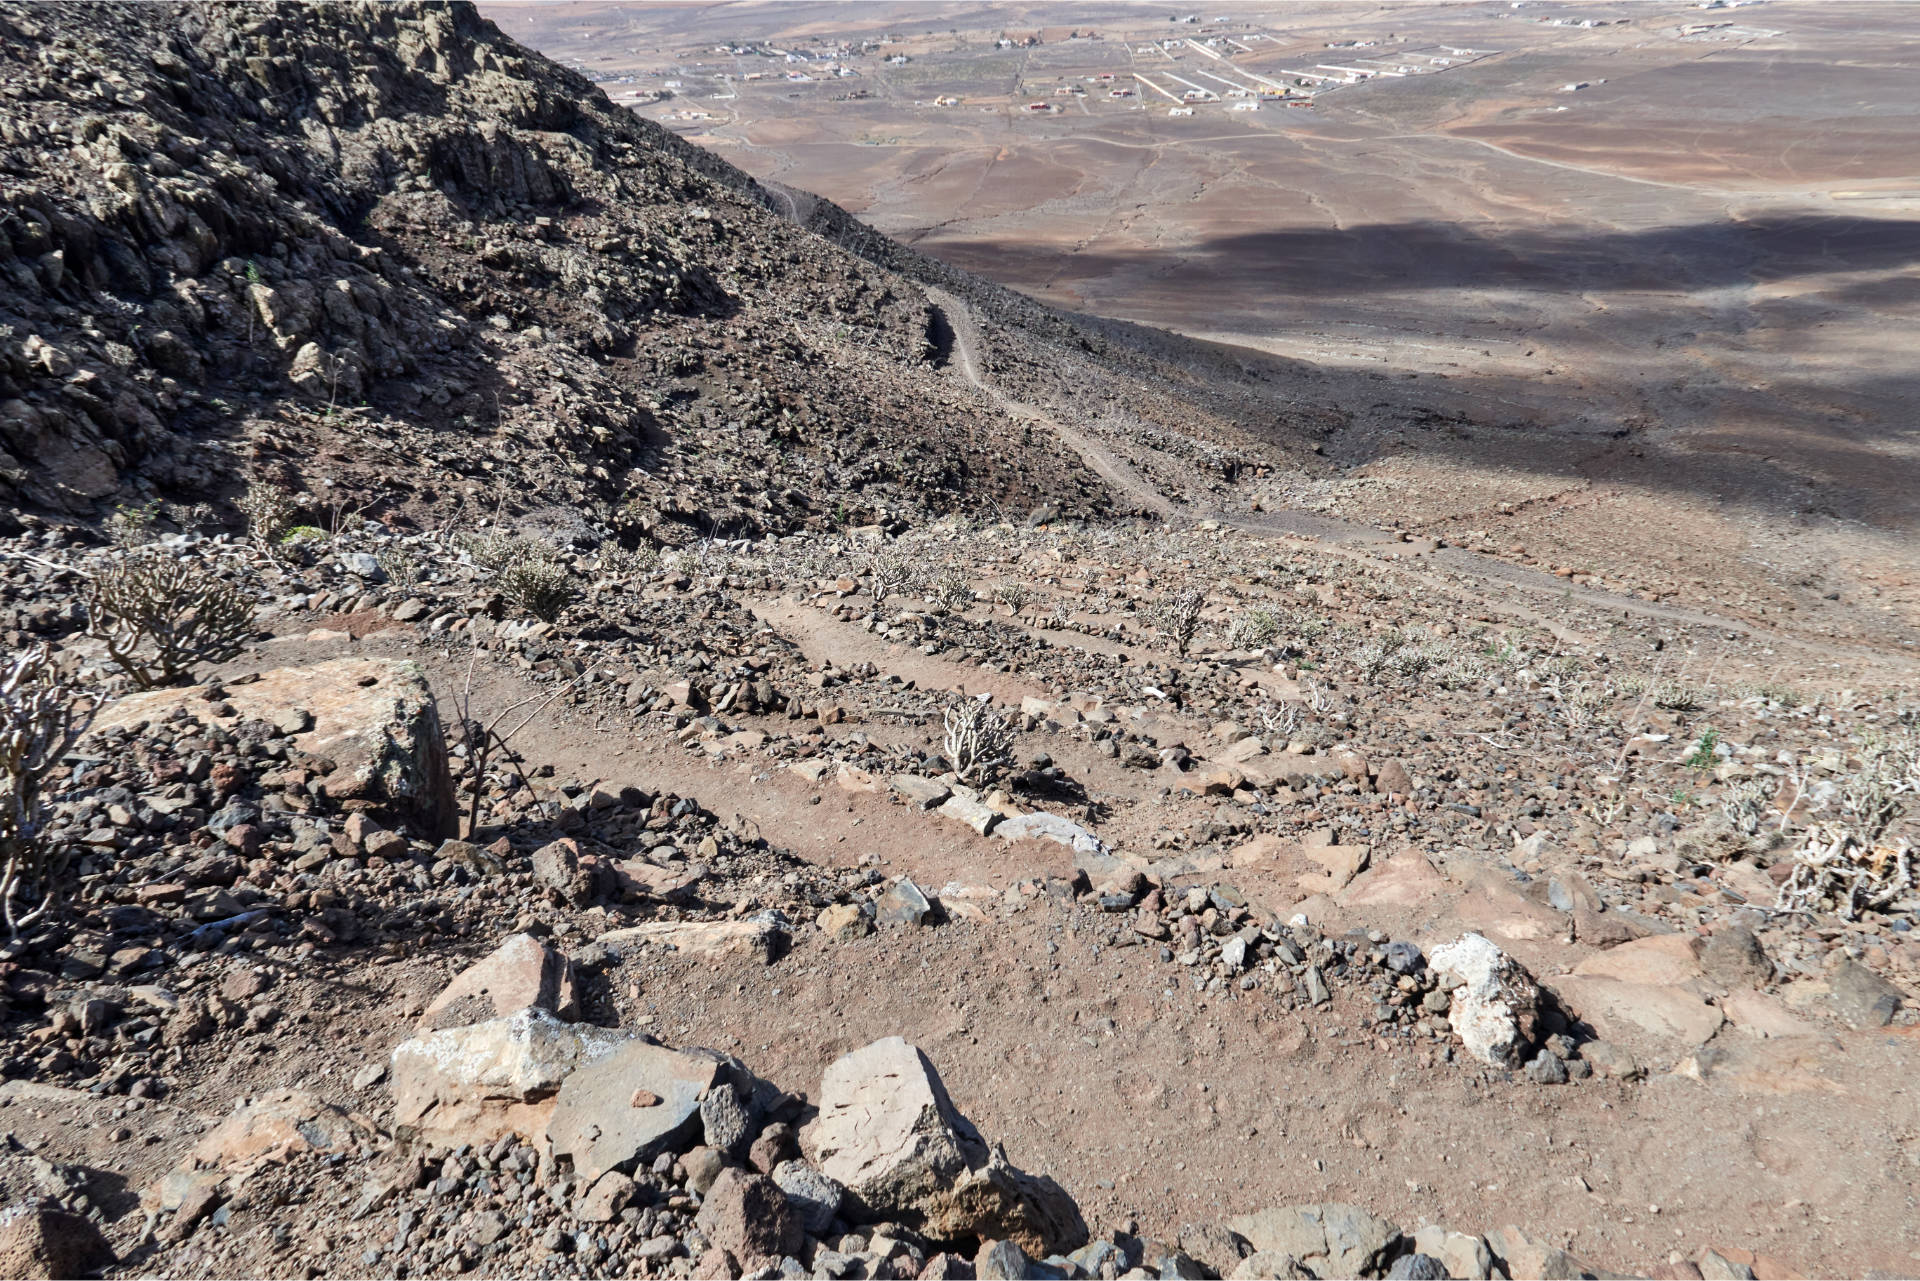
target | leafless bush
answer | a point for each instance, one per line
(537, 585)
(1373, 657)
(1013, 595)
(131, 527)
(270, 513)
(1678, 696)
(889, 573)
(950, 591)
(1743, 806)
(619, 562)
(979, 743)
(1849, 863)
(496, 549)
(1413, 660)
(401, 568)
(159, 615)
(1280, 723)
(1254, 628)
(40, 718)
(1178, 617)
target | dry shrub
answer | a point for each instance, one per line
(159, 615)
(41, 716)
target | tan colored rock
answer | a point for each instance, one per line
(521, 972)
(257, 1133)
(844, 922)
(374, 718)
(1524, 1256)
(1241, 751)
(1765, 1017)
(1406, 880)
(1340, 864)
(759, 936)
(611, 1193)
(477, 1083)
(1331, 1240)
(889, 1134)
(1262, 849)
(1464, 1255)
(1654, 1021)
(1662, 960)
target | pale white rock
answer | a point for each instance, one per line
(1496, 1009)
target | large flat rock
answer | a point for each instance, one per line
(628, 1106)
(477, 1083)
(374, 718)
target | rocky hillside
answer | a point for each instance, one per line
(386, 257)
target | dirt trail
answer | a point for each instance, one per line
(1186, 1106)
(820, 636)
(1328, 530)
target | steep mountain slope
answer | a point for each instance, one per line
(385, 256)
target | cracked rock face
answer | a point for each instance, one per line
(1496, 1009)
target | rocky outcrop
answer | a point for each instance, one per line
(41, 1241)
(368, 727)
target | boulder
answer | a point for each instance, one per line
(967, 810)
(628, 1106)
(747, 1215)
(1523, 1256)
(1734, 958)
(1041, 826)
(1393, 777)
(844, 922)
(902, 903)
(38, 1240)
(1662, 960)
(1654, 1020)
(521, 972)
(1496, 1009)
(374, 718)
(475, 1084)
(556, 865)
(889, 1134)
(1002, 1261)
(1217, 1247)
(923, 793)
(1329, 1240)
(611, 1193)
(1862, 998)
(1464, 1255)
(1265, 1265)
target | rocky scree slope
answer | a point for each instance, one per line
(386, 256)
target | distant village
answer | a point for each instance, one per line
(1222, 64)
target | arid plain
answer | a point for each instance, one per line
(1635, 295)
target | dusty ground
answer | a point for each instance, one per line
(1652, 314)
